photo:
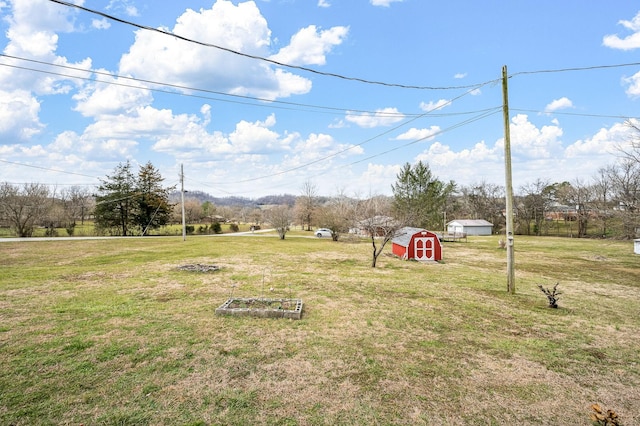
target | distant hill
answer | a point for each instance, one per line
(233, 200)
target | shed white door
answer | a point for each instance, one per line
(423, 248)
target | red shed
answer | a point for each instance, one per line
(417, 243)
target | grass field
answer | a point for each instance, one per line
(111, 332)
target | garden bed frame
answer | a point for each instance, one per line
(262, 308)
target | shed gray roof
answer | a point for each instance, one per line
(403, 236)
(471, 222)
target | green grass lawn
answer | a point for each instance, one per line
(111, 332)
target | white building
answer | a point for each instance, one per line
(469, 227)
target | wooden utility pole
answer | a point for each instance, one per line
(184, 225)
(511, 282)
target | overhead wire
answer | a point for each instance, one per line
(335, 154)
(378, 113)
(485, 114)
(268, 102)
(250, 56)
(571, 69)
(577, 114)
(47, 169)
(415, 117)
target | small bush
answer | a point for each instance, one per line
(552, 295)
(189, 229)
(70, 228)
(234, 227)
(216, 228)
(50, 231)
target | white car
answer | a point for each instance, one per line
(323, 232)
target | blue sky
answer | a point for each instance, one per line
(80, 92)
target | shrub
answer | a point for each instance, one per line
(234, 227)
(70, 228)
(552, 295)
(50, 231)
(216, 228)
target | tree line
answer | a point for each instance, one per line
(124, 204)
(130, 203)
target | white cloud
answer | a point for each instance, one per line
(536, 153)
(634, 85)
(529, 141)
(376, 179)
(100, 24)
(629, 42)
(310, 46)
(432, 106)
(323, 3)
(19, 115)
(558, 104)
(242, 28)
(382, 117)
(317, 152)
(257, 138)
(481, 162)
(605, 141)
(414, 134)
(138, 124)
(32, 33)
(98, 99)
(124, 6)
(383, 3)
(89, 147)
(460, 75)
(442, 155)
(190, 139)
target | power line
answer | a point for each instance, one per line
(335, 154)
(587, 68)
(573, 113)
(47, 169)
(268, 102)
(487, 113)
(246, 55)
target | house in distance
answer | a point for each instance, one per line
(417, 244)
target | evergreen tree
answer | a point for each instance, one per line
(115, 201)
(153, 209)
(419, 197)
(127, 203)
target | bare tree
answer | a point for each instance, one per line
(77, 202)
(337, 214)
(531, 206)
(602, 193)
(484, 201)
(632, 153)
(625, 181)
(375, 220)
(580, 195)
(306, 204)
(193, 212)
(280, 218)
(23, 207)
